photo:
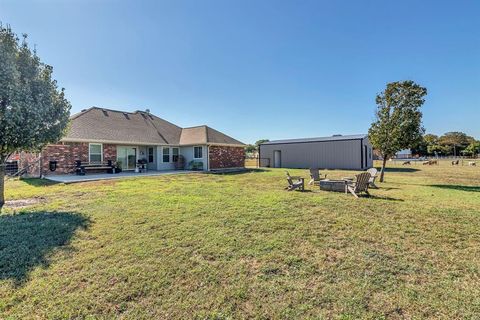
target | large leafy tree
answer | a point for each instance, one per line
(398, 123)
(33, 111)
(455, 141)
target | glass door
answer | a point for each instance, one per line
(126, 158)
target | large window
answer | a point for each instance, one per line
(174, 154)
(197, 152)
(166, 154)
(150, 155)
(95, 152)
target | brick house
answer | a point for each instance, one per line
(97, 135)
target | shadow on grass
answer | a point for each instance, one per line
(231, 173)
(27, 239)
(406, 170)
(37, 182)
(300, 191)
(456, 187)
(388, 188)
(384, 198)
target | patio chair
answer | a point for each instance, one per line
(373, 172)
(360, 185)
(315, 177)
(295, 183)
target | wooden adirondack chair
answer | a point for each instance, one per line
(315, 177)
(295, 183)
(360, 185)
(373, 172)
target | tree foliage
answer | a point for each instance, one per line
(252, 148)
(33, 111)
(473, 149)
(259, 142)
(447, 144)
(398, 123)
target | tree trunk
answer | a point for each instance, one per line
(382, 172)
(2, 184)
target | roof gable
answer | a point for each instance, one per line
(206, 135)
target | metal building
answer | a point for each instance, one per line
(336, 152)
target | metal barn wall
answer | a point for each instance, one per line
(342, 154)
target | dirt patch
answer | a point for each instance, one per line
(23, 203)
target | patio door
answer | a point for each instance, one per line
(127, 157)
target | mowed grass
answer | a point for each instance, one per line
(238, 246)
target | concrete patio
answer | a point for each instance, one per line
(72, 178)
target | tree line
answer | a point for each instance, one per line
(449, 144)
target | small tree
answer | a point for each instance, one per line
(398, 123)
(33, 111)
(250, 148)
(473, 149)
(259, 142)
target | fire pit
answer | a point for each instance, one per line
(333, 185)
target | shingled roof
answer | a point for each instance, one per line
(205, 135)
(139, 127)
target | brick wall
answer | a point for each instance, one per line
(65, 154)
(226, 157)
(109, 152)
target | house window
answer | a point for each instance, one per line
(174, 154)
(166, 154)
(95, 152)
(197, 152)
(150, 155)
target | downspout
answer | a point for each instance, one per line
(40, 165)
(208, 157)
(259, 157)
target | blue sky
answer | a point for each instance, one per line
(260, 69)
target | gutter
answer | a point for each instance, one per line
(150, 143)
(259, 155)
(208, 158)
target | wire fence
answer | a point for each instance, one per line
(455, 161)
(11, 167)
(252, 162)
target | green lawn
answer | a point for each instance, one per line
(238, 246)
